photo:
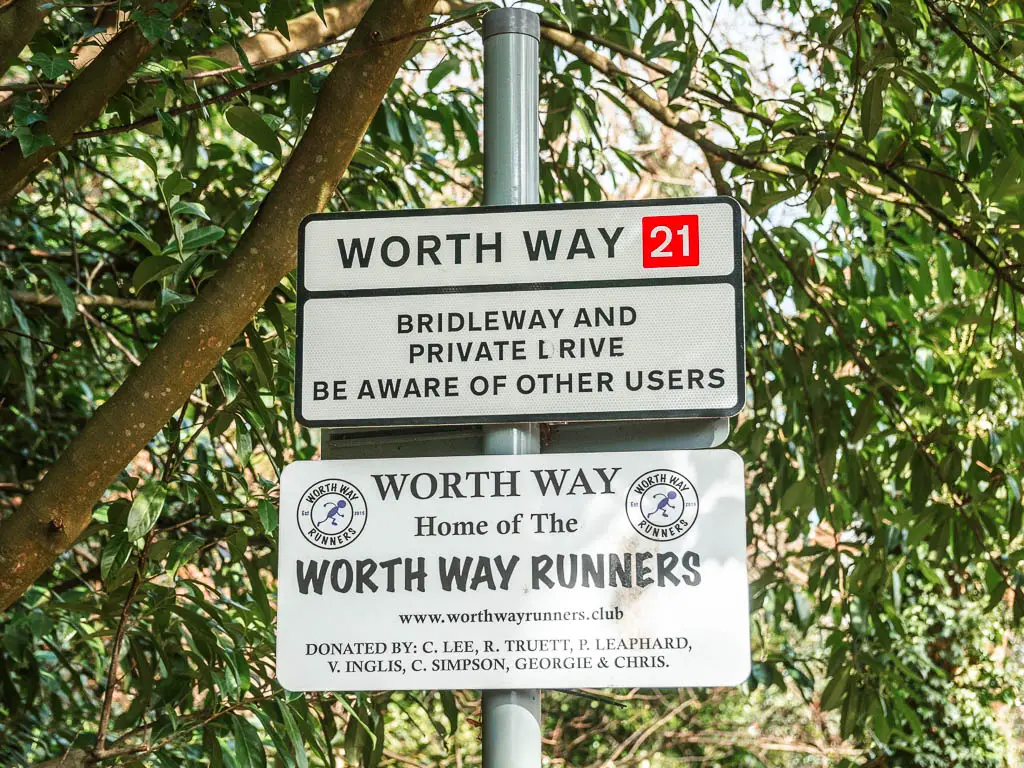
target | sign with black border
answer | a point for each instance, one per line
(574, 312)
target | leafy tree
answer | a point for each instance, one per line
(156, 160)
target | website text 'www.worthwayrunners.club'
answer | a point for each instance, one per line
(510, 617)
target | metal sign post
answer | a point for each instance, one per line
(512, 718)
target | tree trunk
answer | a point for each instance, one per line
(78, 104)
(54, 515)
(19, 21)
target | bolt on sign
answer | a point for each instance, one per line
(558, 571)
(624, 310)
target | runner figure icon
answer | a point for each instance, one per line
(334, 513)
(664, 505)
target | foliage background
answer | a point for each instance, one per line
(877, 148)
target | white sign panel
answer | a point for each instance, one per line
(521, 313)
(559, 571)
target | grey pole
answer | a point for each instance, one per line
(511, 176)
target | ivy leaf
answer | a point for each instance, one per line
(146, 508)
(51, 67)
(250, 124)
(27, 112)
(153, 24)
(30, 142)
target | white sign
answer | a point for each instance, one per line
(521, 313)
(558, 571)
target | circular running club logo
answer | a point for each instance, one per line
(332, 514)
(662, 505)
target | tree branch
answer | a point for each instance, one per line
(965, 38)
(911, 196)
(77, 105)
(206, 328)
(115, 646)
(235, 92)
(664, 71)
(304, 32)
(86, 300)
(655, 108)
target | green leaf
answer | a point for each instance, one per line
(920, 482)
(153, 23)
(139, 235)
(243, 442)
(301, 97)
(250, 124)
(6, 304)
(863, 420)
(277, 14)
(249, 751)
(195, 239)
(834, 692)
(153, 268)
(183, 208)
(451, 710)
(125, 150)
(51, 67)
(569, 11)
(64, 294)
(259, 590)
(944, 275)
(871, 107)
(176, 184)
(1004, 176)
(451, 63)
(31, 142)
(115, 554)
(267, 512)
(290, 727)
(146, 509)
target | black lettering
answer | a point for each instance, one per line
(391, 485)
(429, 245)
(311, 576)
(386, 247)
(356, 253)
(550, 247)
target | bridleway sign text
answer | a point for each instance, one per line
(521, 313)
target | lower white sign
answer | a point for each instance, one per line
(543, 571)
